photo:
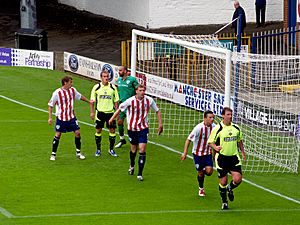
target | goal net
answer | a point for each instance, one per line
(188, 74)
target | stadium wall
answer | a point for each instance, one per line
(172, 13)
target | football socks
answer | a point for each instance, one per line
(142, 161)
(98, 138)
(112, 140)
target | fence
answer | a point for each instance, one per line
(284, 41)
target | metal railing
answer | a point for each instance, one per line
(284, 41)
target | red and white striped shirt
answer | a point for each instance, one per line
(199, 137)
(137, 112)
(63, 99)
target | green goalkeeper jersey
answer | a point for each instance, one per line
(126, 88)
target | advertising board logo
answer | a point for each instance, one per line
(73, 63)
(110, 71)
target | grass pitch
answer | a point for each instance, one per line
(34, 190)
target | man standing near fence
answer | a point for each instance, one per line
(238, 13)
(260, 9)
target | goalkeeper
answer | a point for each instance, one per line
(126, 88)
(226, 139)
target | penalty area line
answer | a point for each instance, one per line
(167, 148)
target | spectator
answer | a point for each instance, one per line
(260, 9)
(239, 12)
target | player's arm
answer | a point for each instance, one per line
(79, 96)
(186, 149)
(92, 102)
(160, 123)
(158, 113)
(241, 147)
(51, 104)
(114, 116)
(116, 105)
(83, 98)
(217, 148)
(50, 110)
(123, 106)
(92, 110)
(116, 99)
(211, 140)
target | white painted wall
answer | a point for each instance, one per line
(171, 13)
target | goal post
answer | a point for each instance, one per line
(187, 44)
(188, 74)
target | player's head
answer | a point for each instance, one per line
(236, 4)
(140, 91)
(227, 115)
(123, 71)
(208, 117)
(104, 77)
(67, 81)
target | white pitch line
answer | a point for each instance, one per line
(22, 121)
(9, 215)
(160, 212)
(23, 104)
(5, 213)
(245, 180)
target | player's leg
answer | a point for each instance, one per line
(236, 173)
(99, 124)
(60, 127)
(223, 190)
(200, 178)
(112, 140)
(221, 165)
(132, 156)
(134, 144)
(122, 141)
(206, 171)
(143, 139)
(235, 182)
(200, 173)
(112, 134)
(207, 164)
(55, 144)
(142, 160)
(78, 145)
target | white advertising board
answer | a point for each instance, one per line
(89, 67)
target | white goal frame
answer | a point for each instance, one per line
(226, 52)
(180, 69)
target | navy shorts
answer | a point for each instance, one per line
(103, 118)
(66, 126)
(202, 161)
(137, 137)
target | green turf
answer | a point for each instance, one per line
(34, 190)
